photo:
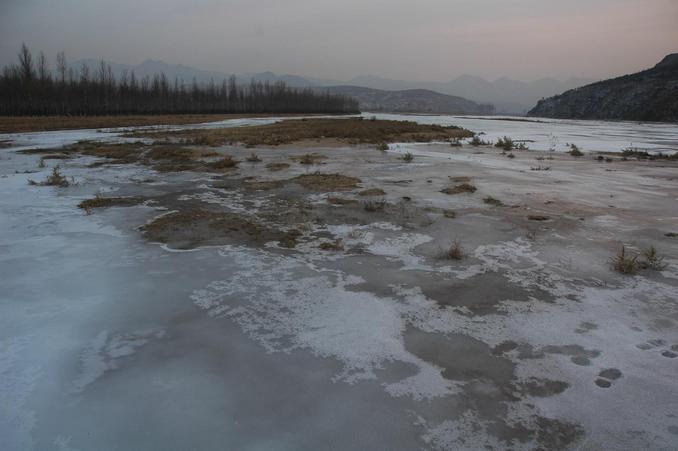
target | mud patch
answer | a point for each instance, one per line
(321, 182)
(372, 192)
(459, 189)
(190, 229)
(275, 167)
(482, 294)
(105, 202)
(461, 357)
(578, 354)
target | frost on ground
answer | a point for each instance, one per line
(357, 330)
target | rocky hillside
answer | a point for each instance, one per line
(650, 95)
(410, 101)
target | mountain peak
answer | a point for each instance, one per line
(668, 61)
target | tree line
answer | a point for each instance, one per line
(33, 88)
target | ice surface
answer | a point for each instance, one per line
(108, 342)
(557, 134)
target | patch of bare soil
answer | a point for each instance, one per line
(188, 229)
(105, 202)
(372, 192)
(322, 182)
(309, 158)
(275, 167)
(18, 124)
(458, 189)
(341, 201)
(350, 131)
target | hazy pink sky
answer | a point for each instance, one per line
(421, 40)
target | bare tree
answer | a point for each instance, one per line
(26, 63)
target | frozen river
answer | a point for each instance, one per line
(110, 342)
(538, 134)
(556, 134)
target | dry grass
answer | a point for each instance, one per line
(652, 260)
(476, 141)
(196, 227)
(54, 179)
(275, 167)
(322, 182)
(454, 252)
(337, 245)
(309, 158)
(226, 162)
(104, 202)
(374, 205)
(505, 143)
(624, 263)
(372, 192)
(350, 131)
(19, 124)
(458, 189)
(492, 201)
(340, 201)
(575, 152)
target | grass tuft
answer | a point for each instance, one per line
(652, 260)
(54, 179)
(575, 152)
(374, 205)
(505, 143)
(454, 252)
(492, 201)
(625, 263)
(461, 188)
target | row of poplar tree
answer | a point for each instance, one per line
(33, 88)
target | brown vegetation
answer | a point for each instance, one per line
(197, 227)
(341, 201)
(458, 189)
(327, 182)
(104, 202)
(492, 201)
(372, 192)
(336, 245)
(274, 167)
(54, 179)
(350, 131)
(21, 124)
(309, 158)
(454, 252)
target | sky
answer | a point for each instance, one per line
(433, 40)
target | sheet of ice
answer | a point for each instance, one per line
(545, 134)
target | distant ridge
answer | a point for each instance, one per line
(650, 95)
(409, 101)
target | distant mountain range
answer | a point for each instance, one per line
(508, 96)
(650, 95)
(410, 101)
